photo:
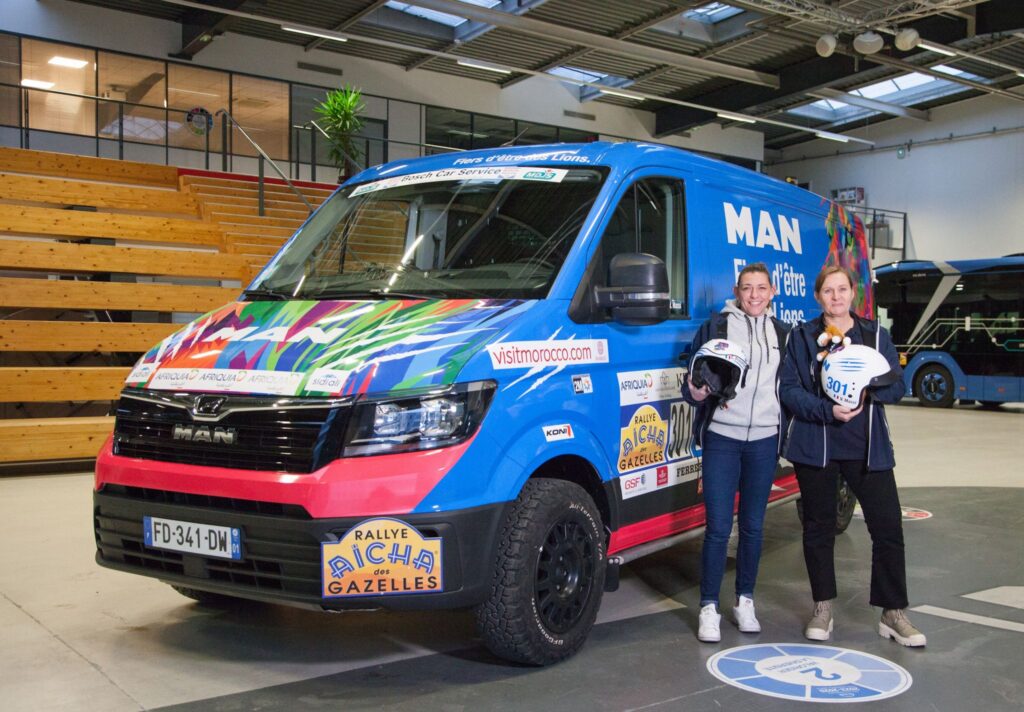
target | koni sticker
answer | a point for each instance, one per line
(381, 557)
(553, 433)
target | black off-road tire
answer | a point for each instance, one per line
(206, 598)
(846, 501)
(934, 386)
(548, 577)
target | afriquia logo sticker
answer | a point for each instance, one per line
(381, 557)
(809, 673)
(325, 348)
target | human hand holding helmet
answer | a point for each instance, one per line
(716, 369)
(848, 372)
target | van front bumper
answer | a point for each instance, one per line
(281, 548)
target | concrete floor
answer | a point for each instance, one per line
(78, 637)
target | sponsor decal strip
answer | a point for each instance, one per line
(224, 380)
(531, 354)
(483, 173)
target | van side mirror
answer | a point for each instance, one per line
(638, 290)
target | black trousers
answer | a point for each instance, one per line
(880, 503)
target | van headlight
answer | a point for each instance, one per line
(417, 420)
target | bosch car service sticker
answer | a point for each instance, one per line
(809, 673)
(481, 173)
(381, 557)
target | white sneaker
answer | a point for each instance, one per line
(709, 628)
(745, 618)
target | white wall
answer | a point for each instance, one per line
(964, 196)
(535, 99)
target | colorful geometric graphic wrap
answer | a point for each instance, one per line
(848, 248)
(325, 347)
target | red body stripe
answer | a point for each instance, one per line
(347, 487)
(685, 519)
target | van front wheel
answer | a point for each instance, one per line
(548, 576)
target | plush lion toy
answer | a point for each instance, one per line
(830, 340)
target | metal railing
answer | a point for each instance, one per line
(262, 157)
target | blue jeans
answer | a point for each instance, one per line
(732, 466)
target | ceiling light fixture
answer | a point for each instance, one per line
(36, 84)
(868, 42)
(826, 45)
(481, 65)
(612, 92)
(324, 34)
(832, 136)
(907, 39)
(67, 62)
(735, 117)
(935, 48)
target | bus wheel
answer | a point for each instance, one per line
(846, 502)
(934, 386)
(548, 576)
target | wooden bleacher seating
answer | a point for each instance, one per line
(136, 244)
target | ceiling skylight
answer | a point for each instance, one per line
(440, 17)
(712, 12)
(904, 90)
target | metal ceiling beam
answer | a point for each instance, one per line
(199, 27)
(622, 34)
(873, 104)
(571, 35)
(340, 27)
(476, 29)
(991, 17)
(797, 78)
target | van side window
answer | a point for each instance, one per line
(650, 219)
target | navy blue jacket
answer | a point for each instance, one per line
(801, 393)
(703, 410)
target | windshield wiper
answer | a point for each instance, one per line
(365, 294)
(271, 295)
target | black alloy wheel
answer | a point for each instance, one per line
(934, 386)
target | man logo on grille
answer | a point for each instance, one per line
(205, 434)
(207, 405)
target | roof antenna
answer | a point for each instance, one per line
(512, 141)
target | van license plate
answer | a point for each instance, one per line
(193, 538)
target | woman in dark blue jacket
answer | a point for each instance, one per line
(826, 441)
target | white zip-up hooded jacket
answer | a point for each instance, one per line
(754, 413)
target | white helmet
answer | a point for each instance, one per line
(719, 364)
(850, 370)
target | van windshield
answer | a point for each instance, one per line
(490, 232)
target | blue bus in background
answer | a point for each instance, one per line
(958, 328)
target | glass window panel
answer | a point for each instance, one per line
(260, 106)
(10, 70)
(448, 128)
(491, 131)
(136, 90)
(190, 92)
(49, 67)
(529, 134)
(576, 136)
(304, 100)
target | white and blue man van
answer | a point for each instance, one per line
(457, 385)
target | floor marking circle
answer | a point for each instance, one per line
(909, 514)
(809, 673)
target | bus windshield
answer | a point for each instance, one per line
(493, 232)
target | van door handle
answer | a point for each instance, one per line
(684, 357)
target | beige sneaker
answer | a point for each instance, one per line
(896, 625)
(820, 625)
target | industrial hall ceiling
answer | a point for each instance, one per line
(795, 70)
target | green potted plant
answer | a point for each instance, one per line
(339, 116)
